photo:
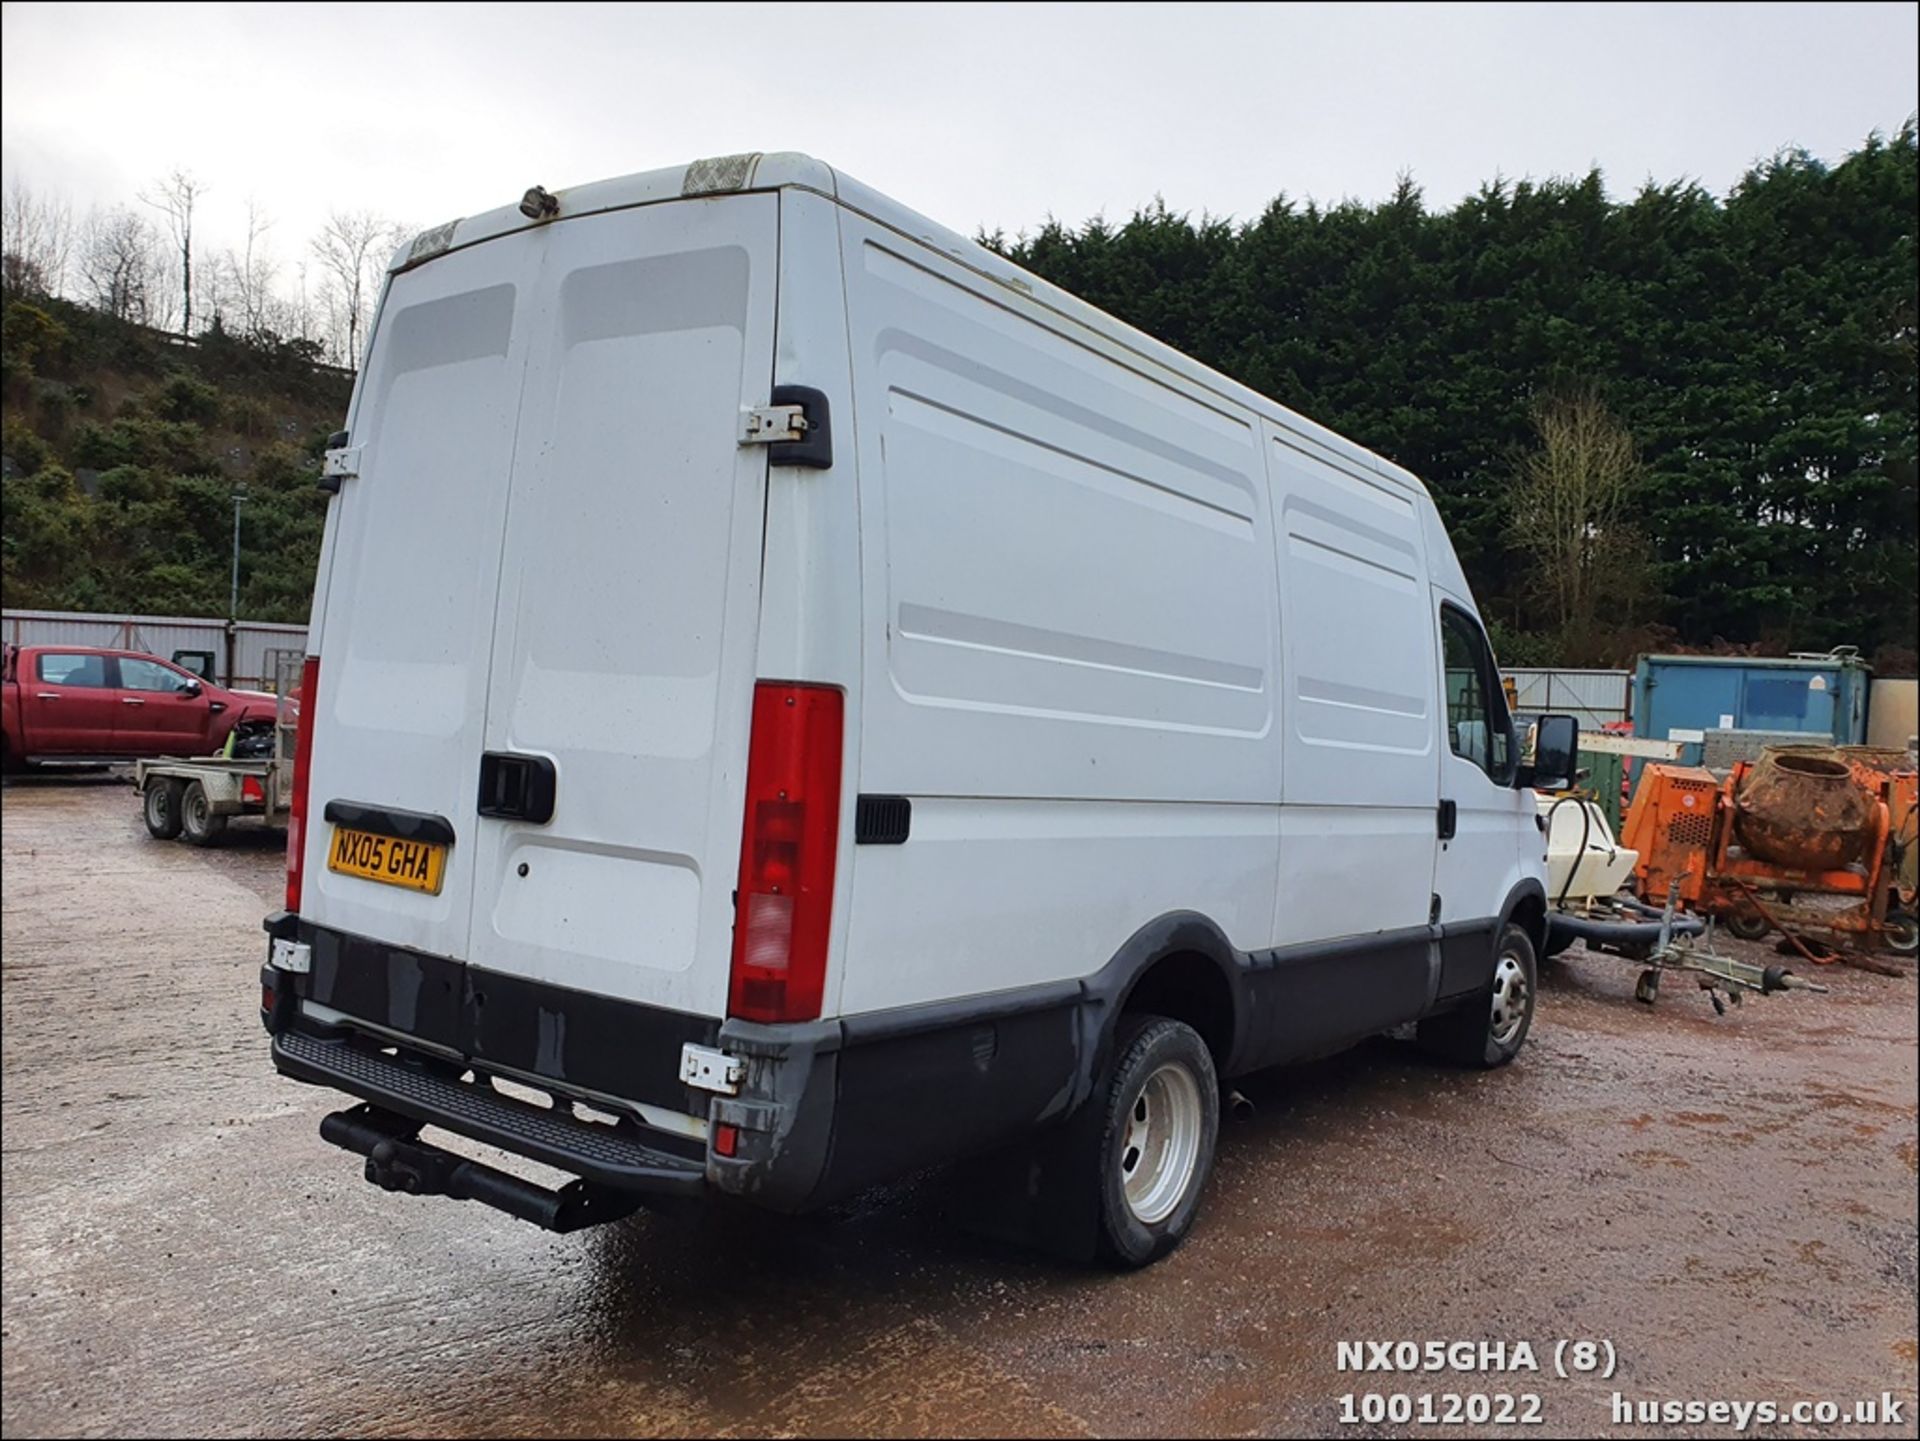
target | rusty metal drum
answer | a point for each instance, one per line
(1804, 809)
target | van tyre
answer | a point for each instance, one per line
(1489, 1028)
(199, 826)
(160, 805)
(1159, 1116)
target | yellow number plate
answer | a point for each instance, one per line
(417, 865)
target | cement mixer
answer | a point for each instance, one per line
(1802, 809)
(1800, 822)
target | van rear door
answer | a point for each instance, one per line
(409, 598)
(628, 605)
(551, 555)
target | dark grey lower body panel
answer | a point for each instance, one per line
(829, 1107)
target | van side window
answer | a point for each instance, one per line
(1477, 726)
(81, 670)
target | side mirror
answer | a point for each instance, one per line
(1556, 753)
(189, 688)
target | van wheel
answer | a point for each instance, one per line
(199, 826)
(161, 807)
(1160, 1117)
(1488, 1029)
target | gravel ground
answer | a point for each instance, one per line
(1730, 1201)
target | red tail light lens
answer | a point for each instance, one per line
(302, 764)
(785, 903)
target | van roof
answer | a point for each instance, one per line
(786, 169)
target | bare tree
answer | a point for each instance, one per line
(174, 196)
(253, 270)
(36, 238)
(119, 263)
(351, 248)
(1571, 501)
(295, 316)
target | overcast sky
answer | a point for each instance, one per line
(977, 115)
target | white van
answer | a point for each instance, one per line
(794, 699)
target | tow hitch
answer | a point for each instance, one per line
(398, 1160)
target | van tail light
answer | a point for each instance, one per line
(784, 908)
(302, 766)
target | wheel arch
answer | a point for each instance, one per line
(1179, 965)
(1526, 907)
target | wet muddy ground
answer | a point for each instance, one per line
(1729, 1200)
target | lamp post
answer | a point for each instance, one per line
(233, 595)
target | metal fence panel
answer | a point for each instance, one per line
(255, 642)
(1593, 697)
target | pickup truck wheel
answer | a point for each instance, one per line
(161, 807)
(1160, 1117)
(199, 826)
(1489, 1028)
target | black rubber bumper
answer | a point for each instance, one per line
(605, 1155)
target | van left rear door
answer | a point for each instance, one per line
(401, 699)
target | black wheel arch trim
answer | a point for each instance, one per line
(1175, 933)
(1522, 891)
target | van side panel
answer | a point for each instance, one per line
(1070, 638)
(1358, 828)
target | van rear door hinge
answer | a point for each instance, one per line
(794, 426)
(342, 462)
(771, 424)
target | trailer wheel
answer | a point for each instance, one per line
(1903, 934)
(199, 826)
(1488, 1029)
(160, 804)
(1747, 924)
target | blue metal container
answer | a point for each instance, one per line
(1679, 697)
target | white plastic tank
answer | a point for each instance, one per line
(1580, 841)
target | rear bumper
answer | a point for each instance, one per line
(607, 1155)
(824, 1108)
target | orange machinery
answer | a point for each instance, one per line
(1713, 836)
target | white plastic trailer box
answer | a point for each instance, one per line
(813, 700)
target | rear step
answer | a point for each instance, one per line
(397, 1160)
(604, 1155)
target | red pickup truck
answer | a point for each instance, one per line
(77, 702)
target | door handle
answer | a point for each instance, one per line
(129, 700)
(47, 695)
(516, 787)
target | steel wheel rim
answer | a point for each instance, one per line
(198, 809)
(1161, 1146)
(1510, 998)
(157, 806)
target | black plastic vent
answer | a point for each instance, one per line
(882, 820)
